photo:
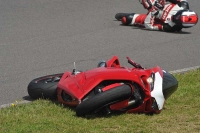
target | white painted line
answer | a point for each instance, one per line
(27, 101)
(184, 70)
(14, 104)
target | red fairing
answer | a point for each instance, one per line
(79, 85)
(111, 86)
(113, 62)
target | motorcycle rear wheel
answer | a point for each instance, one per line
(111, 96)
(44, 87)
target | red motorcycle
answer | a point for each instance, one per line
(107, 88)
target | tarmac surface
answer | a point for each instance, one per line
(44, 37)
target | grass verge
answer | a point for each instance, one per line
(181, 114)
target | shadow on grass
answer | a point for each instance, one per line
(27, 98)
(115, 113)
(91, 116)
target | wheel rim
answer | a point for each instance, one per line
(49, 79)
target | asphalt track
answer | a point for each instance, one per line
(41, 37)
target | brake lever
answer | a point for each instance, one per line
(136, 65)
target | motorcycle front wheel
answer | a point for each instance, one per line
(106, 98)
(44, 87)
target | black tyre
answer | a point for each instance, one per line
(105, 98)
(44, 87)
(119, 16)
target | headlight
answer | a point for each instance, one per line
(150, 80)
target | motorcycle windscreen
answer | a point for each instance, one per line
(170, 84)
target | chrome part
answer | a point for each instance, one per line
(130, 103)
(102, 63)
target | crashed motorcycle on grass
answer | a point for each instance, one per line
(172, 18)
(108, 88)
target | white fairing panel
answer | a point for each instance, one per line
(157, 92)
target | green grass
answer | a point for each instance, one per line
(180, 115)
